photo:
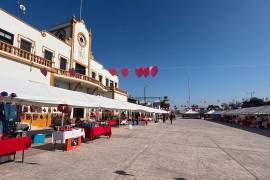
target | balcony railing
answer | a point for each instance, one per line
(24, 54)
(32, 58)
(121, 90)
(79, 76)
(117, 89)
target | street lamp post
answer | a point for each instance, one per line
(144, 93)
(188, 92)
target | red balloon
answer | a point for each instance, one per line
(139, 71)
(146, 71)
(125, 72)
(72, 72)
(113, 71)
(44, 71)
(25, 109)
(153, 70)
(64, 108)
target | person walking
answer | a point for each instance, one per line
(164, 118)
(171, 117)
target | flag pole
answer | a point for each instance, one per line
(81, 10)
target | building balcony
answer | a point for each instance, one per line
(23, 56)
(26, 57)
(119, 90)
(80, 77)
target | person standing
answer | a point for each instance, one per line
(137, 116)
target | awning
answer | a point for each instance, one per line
(45, 95)
(34, 93)
(248, 111)
(191, 112)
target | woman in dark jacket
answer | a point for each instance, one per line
(164, 118)
(171, 117)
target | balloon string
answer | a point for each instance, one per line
(215, 66)
(205, 67)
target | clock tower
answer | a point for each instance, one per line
(81, 47)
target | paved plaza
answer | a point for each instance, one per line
(188, 149)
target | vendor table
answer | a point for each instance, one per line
(65, 135)
(10, 146)
(91, 133)
(113, 122)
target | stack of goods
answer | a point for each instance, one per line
(63, 128)
(103, 123)
(89, 124)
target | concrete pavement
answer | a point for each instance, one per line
(188, 149)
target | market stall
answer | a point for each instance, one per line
(42, 95)
(212, 115)
(255, 117)
(113, 122)
(11, 145)
(191, 114)
(12, 137)
(93, 130)
(71, 138)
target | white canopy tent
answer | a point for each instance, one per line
(211, 112)
(249, 111)
(41, 94)
(35, 93)
(191, 112)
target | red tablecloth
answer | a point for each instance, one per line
(11, 145)
(145, 120)
(91, 133)
(113, 122)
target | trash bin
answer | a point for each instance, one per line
(38, 138)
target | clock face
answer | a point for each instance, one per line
(81, 39)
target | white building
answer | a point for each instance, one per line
(25, 50)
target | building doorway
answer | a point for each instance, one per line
(80, 69)
(78, 112)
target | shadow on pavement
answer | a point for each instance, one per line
(49, 147)
(122, 173)
(20, 162)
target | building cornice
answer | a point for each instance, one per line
(40, 31)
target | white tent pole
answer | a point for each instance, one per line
(130, 114)
(98, 113)
(119, 115)
(62, 121)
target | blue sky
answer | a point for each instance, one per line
(213, 42)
